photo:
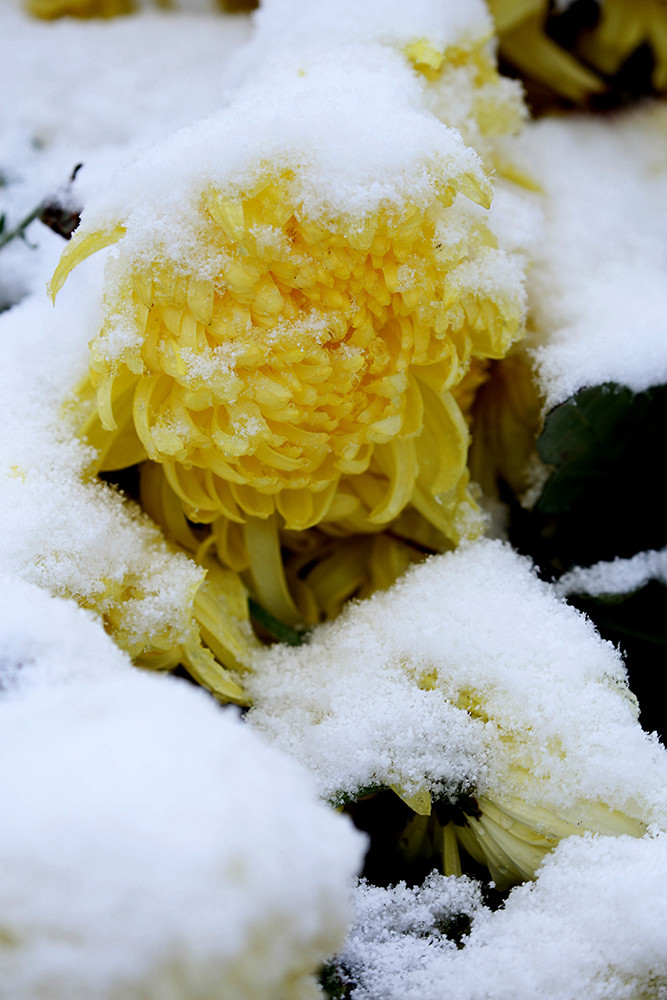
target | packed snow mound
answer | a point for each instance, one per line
(46, 640)
(158, 848)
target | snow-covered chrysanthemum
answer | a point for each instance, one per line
(493, 710)
(299, 287)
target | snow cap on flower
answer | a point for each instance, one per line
(152, 845)
(448, 45)
(492, 708)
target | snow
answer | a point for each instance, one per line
(46, 640)
(571, 926)
(138, 859)
(618, 576)
(99, 91)
(597, 290)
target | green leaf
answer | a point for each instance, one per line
(589, 441)
(604, 494)
(605, 498)
(341, 799)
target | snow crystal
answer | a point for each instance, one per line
(468, 669)
(595, 916)
(157, 847)
(597, 290)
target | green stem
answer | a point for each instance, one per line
(276, 629)
(21, 228)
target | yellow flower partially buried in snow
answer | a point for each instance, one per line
(288, 349)
(465, 717)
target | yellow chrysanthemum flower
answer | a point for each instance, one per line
(293, 347)
(465, 718)
(310, 380)
(505, 833)
(625, 26)
(587, 53)
(508, 838)
(48, 10)
(506, 419)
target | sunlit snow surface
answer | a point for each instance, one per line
(148, 841)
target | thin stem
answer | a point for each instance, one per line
(275, 628)
(19, 230)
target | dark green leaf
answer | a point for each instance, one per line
(604, 496)
(589, 441)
